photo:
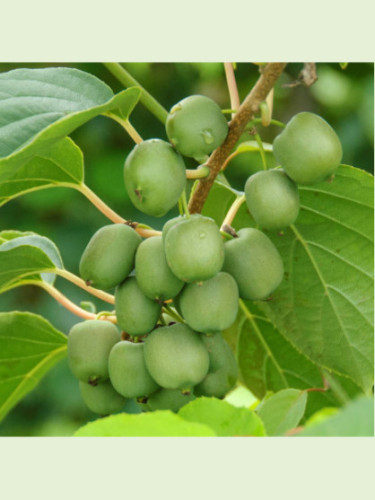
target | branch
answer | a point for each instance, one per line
(249, 107)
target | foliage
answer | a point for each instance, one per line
(307, 348)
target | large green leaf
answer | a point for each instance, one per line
(60, 165)
(354, 420)
(29, 347)
(282, 411)
(27, 255)
(38, 107)
(267, 361)
(324, 306)
(155, 424)
(222, 417)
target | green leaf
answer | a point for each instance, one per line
(282, 411)
(324, 306)
(61, 165)
(240, 397)
(267, 361)
(343, 65)
(29, 347)
(222, 417)
(354, 420)
(158, 424)
(27, 254)
(38, 107)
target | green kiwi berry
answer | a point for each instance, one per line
(152, 272)
(272, 199)
(255, 263)
(102, 398)
(169, 399)
(109, 256)
(89, 345)
(196, 126)
(194, 249)
(155, 177)
(211, 305)
(308, 149)
(223, 372)
(176, 357)
(136, 313)
(128, 372)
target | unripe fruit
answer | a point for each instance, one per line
(89, 345)
(152, 272)
(223, 372)
(136, 313)
(211, 305)
(194, 249)
(176, 357)
(155, 177)
(109, 256)
(102, 398)
(254, 262)
(308, 149)
(196, 126)
(272, 199)
(176, 220)
(169, 399)
(128, 372)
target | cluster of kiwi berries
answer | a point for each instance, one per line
(176, 293)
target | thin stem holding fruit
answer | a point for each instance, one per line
(261, 150)
(232, 86)
(107, 297)
(69, 305)
(184, 204)
(197, 173)
(168, 310)
(146, 98)
(111, 214)
(256, 121)
(231, 214)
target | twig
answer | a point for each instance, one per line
(232, 86)
(111, 214)
(307, 76)
(231, 214)
(69, 305)
(107, 297)
(249, 107)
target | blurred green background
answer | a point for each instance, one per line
(345, 98)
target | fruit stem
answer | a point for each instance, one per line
(107, 297)
(69, 305)
(112, 215)
(127, 126)
(168, 310)
(257, 121)
(184, 204)
(261, 150)
(231, 214)
(146, 99)
(229, 159)
(232, 86)
(266, 108)
(198, 173)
